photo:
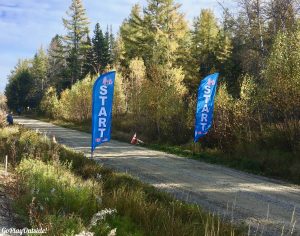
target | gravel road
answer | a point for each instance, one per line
(266, 206)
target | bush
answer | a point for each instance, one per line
(3, 110)
(75, 104)
(49, 104)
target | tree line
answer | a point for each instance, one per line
(68, 59)
(160, 61)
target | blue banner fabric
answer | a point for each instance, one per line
(102, 102)
(205, 105)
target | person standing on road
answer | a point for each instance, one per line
(10, 119)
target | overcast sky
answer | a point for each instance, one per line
(25, 25)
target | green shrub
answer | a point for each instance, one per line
(49, 104)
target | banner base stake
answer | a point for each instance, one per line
(194, 147)
(92, 155)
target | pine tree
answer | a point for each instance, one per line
(132, 36)
(89, 62)
(204, 40)
(19, 90)
(112, 45)
(283, 15)
(39, 69)
(57, 64)
(156, 35)
(164, 29)
(98, 42)
(202, 59)
(75, 40)
(106, 50)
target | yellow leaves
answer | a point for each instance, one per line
(76, 103)
(223, 98)
(119, 96)
(281, 77)
(49, 104)
(248, 88)
(137, 69)
(176, 76)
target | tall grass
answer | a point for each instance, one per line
(53, 193)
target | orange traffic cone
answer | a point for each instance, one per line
(134, 140)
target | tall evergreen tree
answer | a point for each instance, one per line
(98, 48)
(204, 41)
(39, 69)
(112, 45)
(106, 50)
(57, 71)
(132, 36)
(89, 59)
(77, 25)
(102, 47)
(283, 15)
(165, 27)
(21, 88)
(202, 58)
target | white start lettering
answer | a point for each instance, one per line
(102, 116)
(205, 109)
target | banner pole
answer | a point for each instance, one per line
(6, 162)
(194, 146)
(92, 154)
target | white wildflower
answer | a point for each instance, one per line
(99, 200)
(83, 233)
(99, 176)
(101, 215)
(53, 190)
(113, 232)
(34, 191)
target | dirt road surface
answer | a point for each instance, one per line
(265, 206)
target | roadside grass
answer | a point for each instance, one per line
(8, 131)
(49, 188)
(157, 213)
(272, 163)
(63, 191)
(269, 163)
